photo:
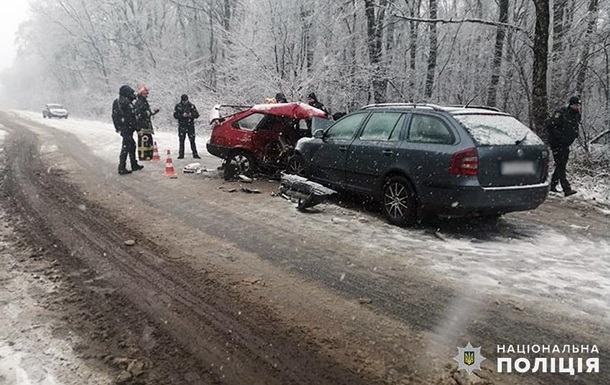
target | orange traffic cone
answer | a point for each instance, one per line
(169, 167)
(155, 157)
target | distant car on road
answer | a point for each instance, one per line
(53, 110)
(423, 158)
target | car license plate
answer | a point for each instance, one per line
(518, 168)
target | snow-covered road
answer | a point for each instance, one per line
(518, 258)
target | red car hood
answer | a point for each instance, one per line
(294, 110)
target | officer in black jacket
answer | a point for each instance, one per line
(562, 131)
(126, 125)
(186, 113)
(313, 101)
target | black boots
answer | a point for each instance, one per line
(566, 193)
(124, 171)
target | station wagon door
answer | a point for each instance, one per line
(373, 151)
(426, 153)
(328, 162)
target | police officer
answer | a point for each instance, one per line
(123, 112)
(186, 112)
(562, 130)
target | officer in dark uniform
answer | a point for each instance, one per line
(186, 113)
(313, 101)
(127, 126)
(562, 131)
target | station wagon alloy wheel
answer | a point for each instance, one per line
(296, 165)
(399, 201)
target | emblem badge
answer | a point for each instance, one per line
(469, 358)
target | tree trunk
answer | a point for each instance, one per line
(413, 35)
(558, 52)
(539, 108)
(497, 62)
(582, 71)
(375, 28)
(432, 53)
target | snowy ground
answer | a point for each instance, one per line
(534, 262)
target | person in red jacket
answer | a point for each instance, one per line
(143, 117)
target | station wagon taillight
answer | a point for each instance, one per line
(465, 162)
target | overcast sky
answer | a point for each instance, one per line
(12, 12)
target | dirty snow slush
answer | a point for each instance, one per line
(238, 288)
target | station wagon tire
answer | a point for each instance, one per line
(398, 201)
(296, 165)
(244, 162)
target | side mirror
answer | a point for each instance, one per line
(319, 134)
(235, 124)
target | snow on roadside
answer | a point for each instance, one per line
(105, 143)
(514, 259)
(533, 262)
(32, 350)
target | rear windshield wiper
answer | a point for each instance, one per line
(518, 142)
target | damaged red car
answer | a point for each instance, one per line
(259, 138)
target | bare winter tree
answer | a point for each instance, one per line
(498, 52)
(432, 37)
(350, 52)
(539, 106)
(375, 26)
(586, 47)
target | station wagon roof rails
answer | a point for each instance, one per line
(478, 107)
(414, 105)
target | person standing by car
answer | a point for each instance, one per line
(124, 119)
(562, 130)
(143, 116)
(186, 113)
(313, 101)
(280, 98)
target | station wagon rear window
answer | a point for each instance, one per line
(497, 130)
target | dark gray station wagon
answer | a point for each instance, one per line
(418, 159)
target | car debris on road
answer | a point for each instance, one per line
(307, 193)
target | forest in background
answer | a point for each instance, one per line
(526, 57)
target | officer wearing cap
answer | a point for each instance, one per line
(185, 112)
(562, 130)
